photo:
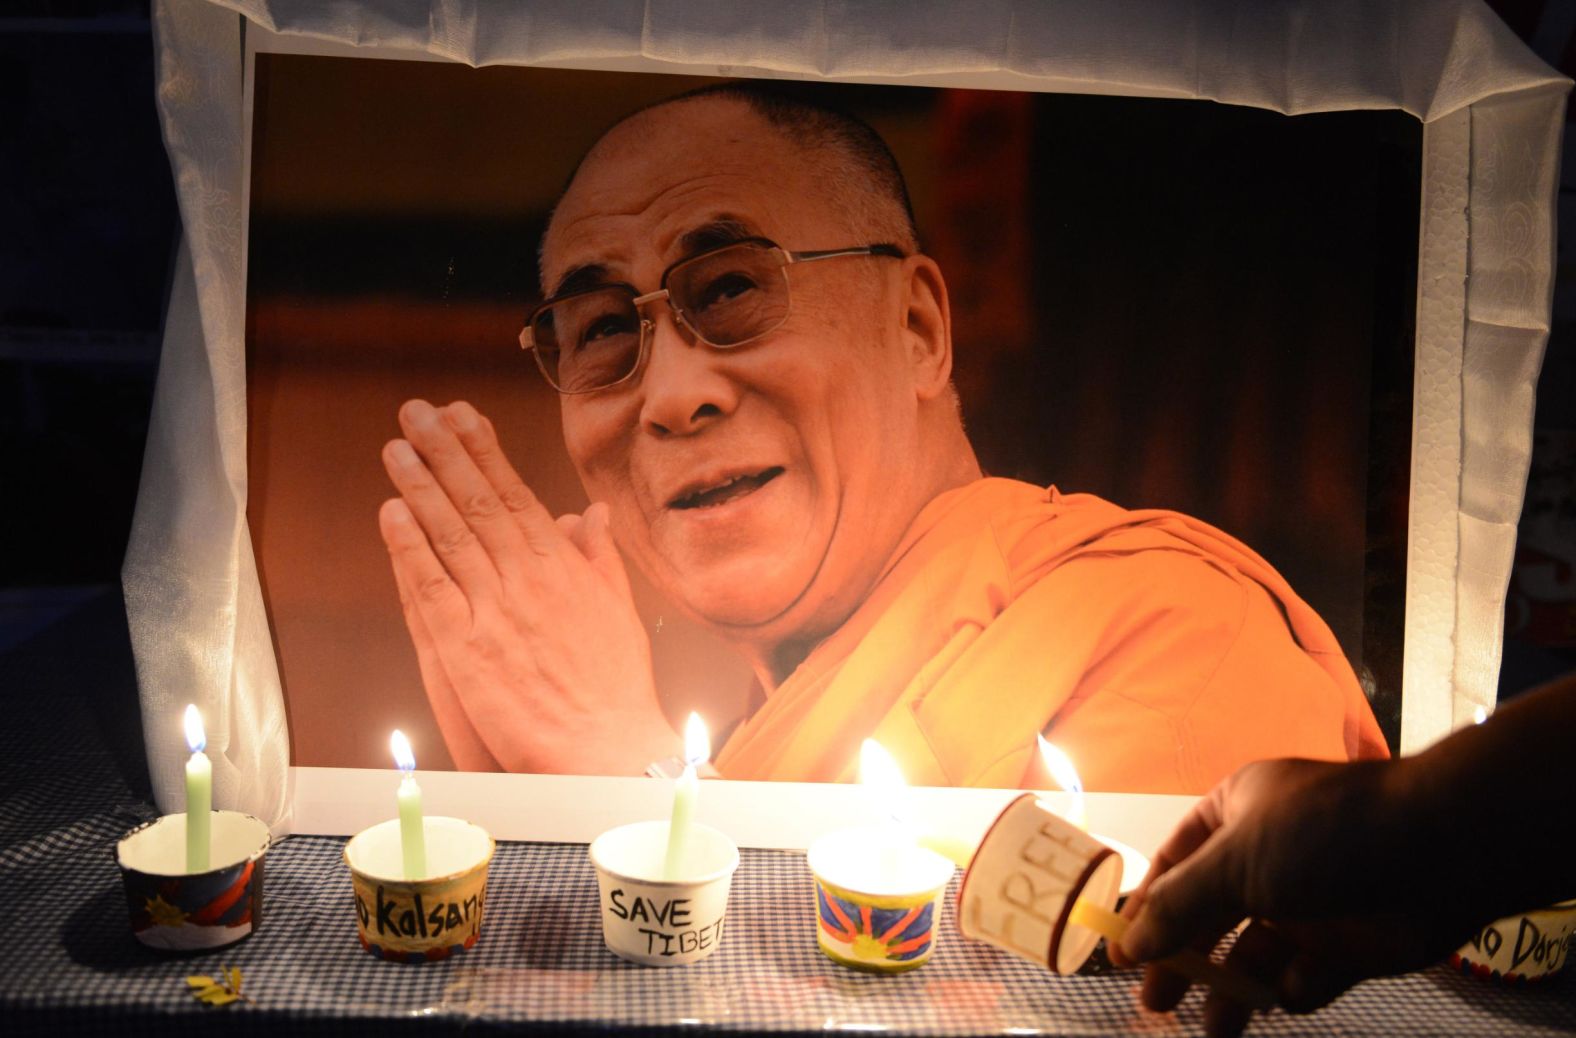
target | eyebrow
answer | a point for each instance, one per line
(713, 234)
(578, 279)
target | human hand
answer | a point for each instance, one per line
(530, 648)
(1322, 859)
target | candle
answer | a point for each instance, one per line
(1135, 866)
(879, 893)
(1061, 769)
(686, 793)
(412, 832)
(883, 783)
(199, 794)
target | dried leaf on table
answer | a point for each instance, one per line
(217, 992)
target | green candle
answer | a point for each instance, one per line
(686, 793)
(412, 831)
(199, 794)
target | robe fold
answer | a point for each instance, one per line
(1158, 652)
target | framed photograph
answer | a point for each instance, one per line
(1174, 352)
(1169, 304)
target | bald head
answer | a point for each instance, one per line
(848, 166)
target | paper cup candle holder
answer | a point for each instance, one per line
(1530, 946)
(1031, 868)
(663, 885)
(420, 881)
(879, 894)
(194, 881)
(1042, 888)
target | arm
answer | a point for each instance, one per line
(531, 651)
(1350, 871)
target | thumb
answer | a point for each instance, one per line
(1191, 905)
(594, 537)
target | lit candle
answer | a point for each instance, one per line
(1061, 769)
(1135, 866)
(686, 793)
(879, 892)
(412, 834)
(883, 783)
(199, 794)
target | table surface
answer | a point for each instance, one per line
(70, 786)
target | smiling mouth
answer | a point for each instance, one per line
(722, 493)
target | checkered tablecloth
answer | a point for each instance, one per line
(68, 962)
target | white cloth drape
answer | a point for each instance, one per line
(1492, 115)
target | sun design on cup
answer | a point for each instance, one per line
(877, 934)
(163, 913)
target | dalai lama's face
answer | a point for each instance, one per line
(755, 486)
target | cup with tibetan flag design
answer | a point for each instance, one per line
(174, 908)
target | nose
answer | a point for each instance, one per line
(685, 386)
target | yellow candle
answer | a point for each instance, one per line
(199, 794)
(686, 794)
(412, 831)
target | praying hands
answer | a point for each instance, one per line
(530, 648)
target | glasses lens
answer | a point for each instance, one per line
(732, 295)
(588, 341)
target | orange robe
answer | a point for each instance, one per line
(1158, 652)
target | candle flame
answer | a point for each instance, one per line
(881, 779)
(400, 746)
(1479, 715)
(697, 741)
(1060, 766)
(196, 738)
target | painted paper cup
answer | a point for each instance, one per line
(1020, 888)
(1519, 948)
(878, 899)
(427, 919)
(176, 910)
(656, 921)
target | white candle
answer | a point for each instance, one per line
(412, 832)
(686, 794)
(883, 782)
(1061, 768)
(199, 794)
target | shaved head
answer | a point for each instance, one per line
(859, 176)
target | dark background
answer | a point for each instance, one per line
(88, 225)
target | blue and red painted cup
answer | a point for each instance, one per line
(175, 910)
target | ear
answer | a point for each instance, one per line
(926, 325)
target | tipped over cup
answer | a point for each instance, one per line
(1031, 868)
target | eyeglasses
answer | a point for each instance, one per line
(597, 338)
